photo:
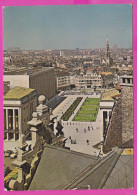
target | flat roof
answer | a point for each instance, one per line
(105, 73)
(108, 94)
(28, 71)
(17, 93)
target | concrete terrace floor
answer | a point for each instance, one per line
(95, 135)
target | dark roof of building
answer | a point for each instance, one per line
(122, 174)
(97, 176)
(27, 71)
(58, 167)
(61, 169)
(128, 144)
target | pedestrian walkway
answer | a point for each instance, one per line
(79, 135)
(77, 109)
(61, 109)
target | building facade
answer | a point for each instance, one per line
(42, 80)
(127, 107)
(120, 127)
(63, 82)
(19, 104)
(88, 80)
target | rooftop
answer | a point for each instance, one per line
(109, 93)
(61, 169)
(17, 93)
(105, 73)
(28, 71)
(58, 167)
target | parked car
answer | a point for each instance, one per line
(7, 153)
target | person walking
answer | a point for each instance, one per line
(87, 142)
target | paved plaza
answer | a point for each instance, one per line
(81, 136)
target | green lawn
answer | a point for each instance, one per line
(88, 111)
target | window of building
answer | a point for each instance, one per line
(16, 119)
(123, 80)
(128, 80)
(10, 119)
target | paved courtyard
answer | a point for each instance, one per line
(83, 136)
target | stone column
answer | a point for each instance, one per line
(19, 122)
(55, 125)
(35, 124)
(101, 149)
(14, 124)
(14, 138)
(14, 119)
(107, 117)
(7, 119)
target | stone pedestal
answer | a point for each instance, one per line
(41, 108)
(35, 125)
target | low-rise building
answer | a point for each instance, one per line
(19, 104)
(88, 80)
(63, 82)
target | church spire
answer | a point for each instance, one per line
(107, 43)
(107, 52)
(107, 47)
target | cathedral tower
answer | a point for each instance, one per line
(107, 52)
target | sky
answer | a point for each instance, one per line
(67, 26)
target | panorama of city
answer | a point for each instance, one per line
(68, 111)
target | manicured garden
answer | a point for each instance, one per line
(71, 109)
(88, 111)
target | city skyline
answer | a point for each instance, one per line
(67, 27)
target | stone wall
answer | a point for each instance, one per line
(127, 113)
(114, 132)
(120, 129)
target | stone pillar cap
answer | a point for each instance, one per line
(35, 121)
(41, 98)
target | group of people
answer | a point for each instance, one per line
(85, 129)
(87, 141)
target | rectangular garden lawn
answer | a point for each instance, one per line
(88, 111)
